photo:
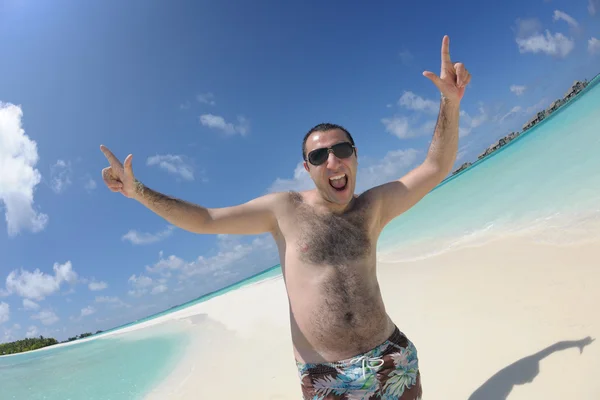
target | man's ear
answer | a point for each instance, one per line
(306, 166)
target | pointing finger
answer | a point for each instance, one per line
(114, 161)
(446, 50)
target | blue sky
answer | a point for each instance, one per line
(213, 99)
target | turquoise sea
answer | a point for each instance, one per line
(545, 183)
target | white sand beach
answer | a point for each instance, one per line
(505, 320)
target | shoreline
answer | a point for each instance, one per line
(156, 318)
(508, 306)
(495, 307)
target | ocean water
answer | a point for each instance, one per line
(111, 368)
(546, 183)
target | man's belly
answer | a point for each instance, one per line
(335, 320)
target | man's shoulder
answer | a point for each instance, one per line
(370, 195)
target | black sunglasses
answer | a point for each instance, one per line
(340, 150)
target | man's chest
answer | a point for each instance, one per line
(329, 239)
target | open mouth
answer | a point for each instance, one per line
(339, 182)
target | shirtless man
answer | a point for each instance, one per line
(345, 344)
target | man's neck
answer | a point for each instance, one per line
(322, 204)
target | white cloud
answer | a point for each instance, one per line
(18, 176)
(37, 285)
(300, 181)
(219, 123)
(518, 89)
(90, 184)
(401, 127)
(141, 238)
(461, 153)
(10, 334)
(114, 300)
(236, 257)
(594, 46)
(30, 305)
(174, 164)
(468, 123)
(514, 111)
(32, 331)
(96, 286)
(107, 299)
(520, 111)
(46, 317)
(531, 40)
(414, 102)
(528, 27)
(593, 6)
(398, 126)
(140, 285)
(539, 106)
(159, 289)
(4, 312)
(140, 281)
(392, 166)
(206, 98)
(89, 310)
(230, 251)
(560, 15)
(60, 176)
(64, 272)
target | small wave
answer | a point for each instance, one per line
(556, 228)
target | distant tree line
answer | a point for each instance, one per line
(29, 344)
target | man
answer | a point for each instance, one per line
(345, 344)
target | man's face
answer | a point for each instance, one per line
(341, 190)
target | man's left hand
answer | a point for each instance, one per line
(453, 79)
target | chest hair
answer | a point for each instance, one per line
(333, 239)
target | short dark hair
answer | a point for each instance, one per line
(324, 127)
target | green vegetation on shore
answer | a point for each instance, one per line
(29, 344)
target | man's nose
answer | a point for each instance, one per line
(332, 160)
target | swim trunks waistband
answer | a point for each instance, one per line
(397, 338)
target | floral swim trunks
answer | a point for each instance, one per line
(390, 371)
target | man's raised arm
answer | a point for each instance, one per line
(396, 197)
(254, 217)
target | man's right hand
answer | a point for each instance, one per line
(119, 177)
